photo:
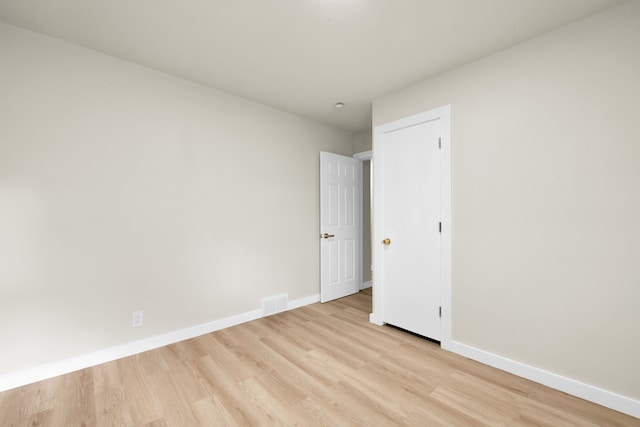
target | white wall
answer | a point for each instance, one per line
(546, 198)
(126, 189)
(362, 141)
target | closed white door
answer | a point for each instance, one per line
(409, 224)
(339, 226)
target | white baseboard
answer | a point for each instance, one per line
(366, 285)
(50, 370)
(301, 302)
(588, 392)
(376, 319)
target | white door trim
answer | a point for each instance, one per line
(444, 115)
(363, 156)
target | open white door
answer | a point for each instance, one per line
(339, 226)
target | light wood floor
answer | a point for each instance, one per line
(323, 364)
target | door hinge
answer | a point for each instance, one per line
(439, 142)
(440, 311)
(439, 227)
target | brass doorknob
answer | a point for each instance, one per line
(327, 235)
(387, 241)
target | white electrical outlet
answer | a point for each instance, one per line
(137, 319)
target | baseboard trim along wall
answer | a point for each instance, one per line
(366, 285)
(50, 370)
(588, 392)
(576, 388)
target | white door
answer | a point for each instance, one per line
(408, 220)
(339, 226)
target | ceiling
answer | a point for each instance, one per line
(300, 56)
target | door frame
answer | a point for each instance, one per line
(444, 115)
(363, 156)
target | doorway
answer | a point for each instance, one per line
(366, 261)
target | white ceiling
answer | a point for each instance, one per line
(300, 56)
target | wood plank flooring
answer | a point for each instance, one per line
(322, 364)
